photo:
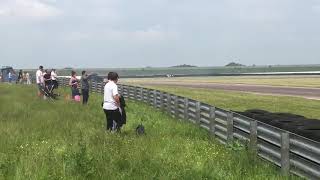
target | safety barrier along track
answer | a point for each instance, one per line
(291, 152)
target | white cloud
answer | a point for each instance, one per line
(150, 34)
(316, 8)
(155, 33)
(77, 36)
(27, 9)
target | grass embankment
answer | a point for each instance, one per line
(289, 81)
(65, 140)
(239, 101)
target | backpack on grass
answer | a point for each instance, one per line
(140, 130)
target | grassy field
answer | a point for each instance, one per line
(240, 101)
(290, 81)
(65, 140)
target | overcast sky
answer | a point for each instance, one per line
(138, 33)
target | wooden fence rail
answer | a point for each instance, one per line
(291, 152)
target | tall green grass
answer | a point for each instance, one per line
(65, 140)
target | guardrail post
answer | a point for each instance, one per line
(128, 91)
(141, 94)
(135, 95)
(186, 108)
(150, 100)
(169, 103)
(155, 98)
(176, 109)
(212, 117)
(121, 89)
(98, 87)
(172, 105)
(161, 100)
(95, 86)
(285, 152)
(198, 115)
(229, 127)
(66, 82)
(102, 87)
(253, 137)
(124, 89)
(131, 92)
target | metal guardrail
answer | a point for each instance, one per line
(291, 152)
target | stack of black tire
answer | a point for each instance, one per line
(298, 124)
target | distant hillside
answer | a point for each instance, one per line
(183, 66)
(233, 64)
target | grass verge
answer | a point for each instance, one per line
(65, 140)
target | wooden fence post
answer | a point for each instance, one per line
(253, 137)
(229, 127)
(186, 108)
(212, 117)
(285, 153)
(198, 115)
(169, 103)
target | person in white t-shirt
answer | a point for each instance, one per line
(40, 81)
(54, 78)
(111, 102)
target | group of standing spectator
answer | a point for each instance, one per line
(113, 104)
(43, 77)
(22, 78)
(84, 82)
